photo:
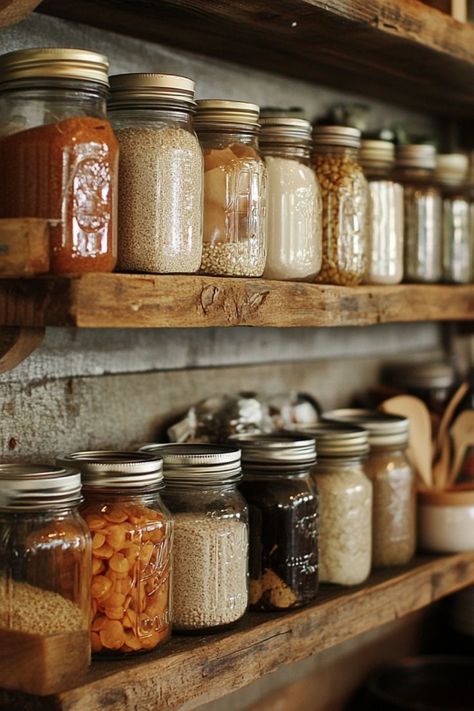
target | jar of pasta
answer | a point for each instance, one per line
(131, 550)
(345, 205)
(235, 236)
(58, 153)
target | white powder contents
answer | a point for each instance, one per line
(386, 232)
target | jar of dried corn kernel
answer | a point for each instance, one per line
(345, 205)
(131, 545)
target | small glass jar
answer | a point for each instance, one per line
(283, 510)
(235, 230)
(131, 550)
(58, 153)
(385, 263)
(293, 200)
(422, 213)
(345, 205)
(433, 382)
(161, 173)
(210, 553)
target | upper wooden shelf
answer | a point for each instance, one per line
(399, 50)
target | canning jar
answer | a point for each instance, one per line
(210, 585)
(385, 262)
(422, 213)
(433, 382)
(161, 173)
(131, 550)
(345, 205)
(45, 568)
(283, 512)
(235, 231)
(393, 481)
(293, 200)
(58, 153)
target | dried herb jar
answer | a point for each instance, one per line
(283, 509)
(131, 550)
(210, 575)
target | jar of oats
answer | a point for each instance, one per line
(345, 205)
(160, 173)
(235, 235)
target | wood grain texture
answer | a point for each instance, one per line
(205, 668)
(24, 247)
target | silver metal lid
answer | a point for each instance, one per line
(384, 430)
(278, 130)
(416, 155)
(339, 440)
(295, 449)
(31, 487)
(198, 464)
(104, 469)
(376, 152)
(336, 136)
(151, 90)
(451, 168)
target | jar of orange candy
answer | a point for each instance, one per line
(131, 549)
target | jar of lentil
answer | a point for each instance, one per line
(131, 550)
(393, 481)
(345, 205)
(58, 153)
(235, 233)
(210, 552)
(385, 263)
(161, 173)
(422, 213)
(293, 200)
(283, 511)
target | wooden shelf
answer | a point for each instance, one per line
(399, 50)
(190, 668)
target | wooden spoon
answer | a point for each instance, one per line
(441, 465)
(462, 435)
(448, 416)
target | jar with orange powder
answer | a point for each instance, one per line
(58, 153)
(131, 549)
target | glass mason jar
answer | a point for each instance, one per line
(422, 213)
(434, 382)
(293, 200)
(345, 205)
(58, 153)
(235, 230)
(210, 583)
(283, 511)
(131, 550)
(161, 173)
(45, 568)
(385, 262)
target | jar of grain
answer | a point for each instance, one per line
(235, 233)
(393, 481)
(161, 173)
(131, 550)
(293, 200)
(422, 213)
(345, 205)
(385, 263)
(58, 153)
(283, 511)
(210, 547)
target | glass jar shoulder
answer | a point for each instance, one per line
(288, 491)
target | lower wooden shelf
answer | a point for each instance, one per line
(192, 669)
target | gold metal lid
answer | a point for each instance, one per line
(219, 111)
(54, 63)
(151, 89)
(451, 168)
(336, 136)
(374, 152)
(416, 155)
(284, 130)
(337, 439)
(385, 430)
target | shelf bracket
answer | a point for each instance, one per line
(16, 344)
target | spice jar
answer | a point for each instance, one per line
(283, 512)
(161, 173)
(393, 481)
(422, 213)
(235, 237)
(385, 263)
(345, 205)
(293, 199)
(131, 550)
(211, 535)
(59, 154)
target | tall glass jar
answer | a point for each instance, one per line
(345, 205)
(58, 153)
(210, 553)
(161, 173)
(235, 231)
(45, 568)
(422, 211)
(131, 550)
(294, 200)
(385, 263)
(283, 509)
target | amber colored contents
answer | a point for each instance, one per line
(65, 171)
